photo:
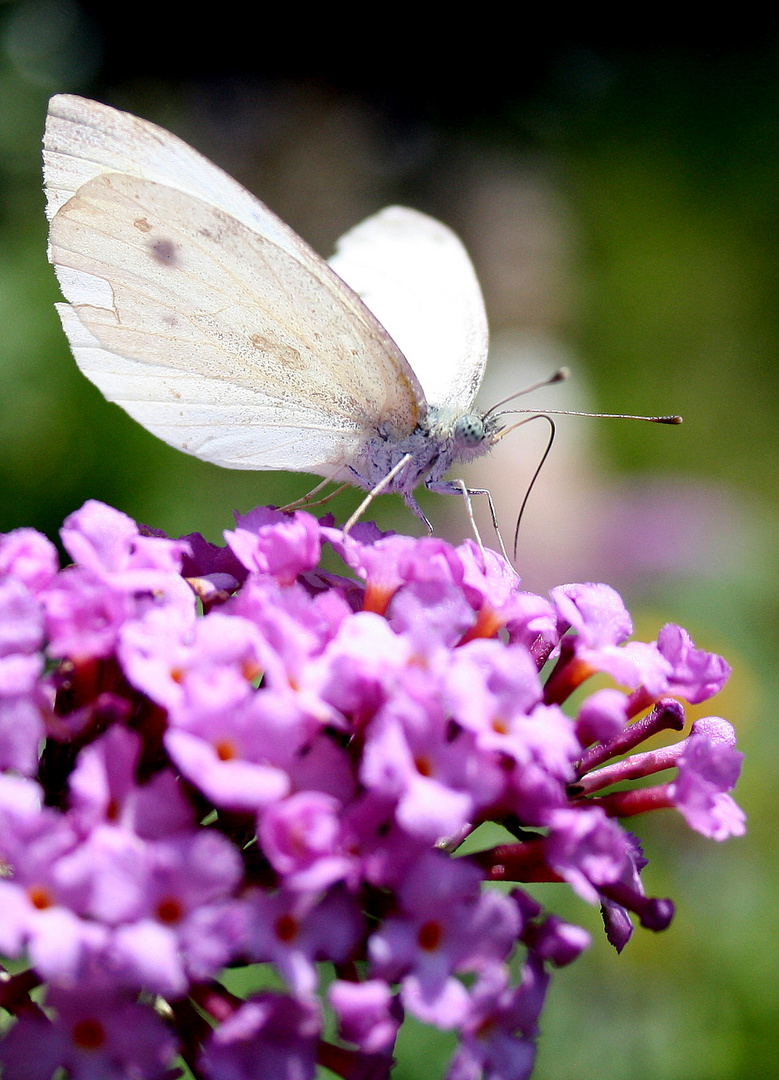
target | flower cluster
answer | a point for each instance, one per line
(223, 757)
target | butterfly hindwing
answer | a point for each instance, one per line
(416, 277)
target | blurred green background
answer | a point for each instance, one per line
(620, 198)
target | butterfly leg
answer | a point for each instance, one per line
(377, 490)
(416, 509)
(306, 500)
(458, 487)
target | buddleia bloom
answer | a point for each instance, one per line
(217, 757)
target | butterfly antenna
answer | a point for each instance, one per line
(557, 376)
(597, 416)
(539, 467)
(561, 375)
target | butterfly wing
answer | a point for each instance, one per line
(200, 313)
(85, 138)
(416, 277)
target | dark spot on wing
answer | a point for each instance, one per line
(164, 251)
(142, 224)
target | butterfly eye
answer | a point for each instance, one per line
(468, 430)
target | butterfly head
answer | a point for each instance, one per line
(472, 432)
(468, 431)
(466, 435)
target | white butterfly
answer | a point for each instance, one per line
(212, 323)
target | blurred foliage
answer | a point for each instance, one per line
(666, 161)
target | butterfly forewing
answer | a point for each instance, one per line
(85, 138)
(227, 339)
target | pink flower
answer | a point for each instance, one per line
(237, 757)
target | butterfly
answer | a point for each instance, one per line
(198, 311)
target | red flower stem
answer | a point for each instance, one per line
(632, 768)
(516, 862)
(639, 801)
(667, 714)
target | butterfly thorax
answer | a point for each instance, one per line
(442, 439)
